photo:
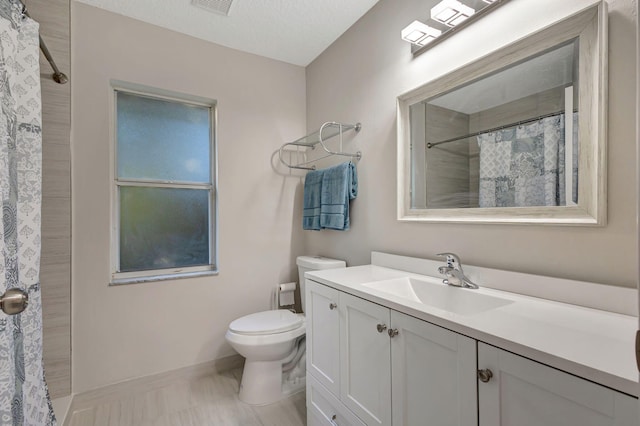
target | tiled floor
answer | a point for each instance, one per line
(211, 400)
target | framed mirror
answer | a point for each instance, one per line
(518, 136)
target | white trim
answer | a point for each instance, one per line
(162, 184)
(155, 92)
(568, 146)
(124, 278)
(118, 278)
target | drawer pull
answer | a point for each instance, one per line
(485, 375)
(332, 306)
(381, 327)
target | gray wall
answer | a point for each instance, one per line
(358, 79)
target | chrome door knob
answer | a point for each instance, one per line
(485, 375)
(381, 328)
(393, 332)
(14, 301)
(332, 306)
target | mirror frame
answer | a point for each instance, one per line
(590, 27)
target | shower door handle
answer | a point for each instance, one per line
(14, 301)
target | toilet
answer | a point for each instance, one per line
(273, 344)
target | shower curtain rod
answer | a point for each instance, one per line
(495, 129)
(58, 76)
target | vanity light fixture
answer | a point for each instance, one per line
(451, 12)
(420, 34)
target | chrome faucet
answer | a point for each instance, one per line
(453, 272)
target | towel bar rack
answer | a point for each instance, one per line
(326, 131)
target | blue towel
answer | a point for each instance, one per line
(311, 203)
(339, 185)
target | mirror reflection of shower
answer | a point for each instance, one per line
(503, 140)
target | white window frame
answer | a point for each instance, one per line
(118, 278)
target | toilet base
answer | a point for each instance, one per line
(264, 383)
(261, 382)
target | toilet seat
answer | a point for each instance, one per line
(266, 322)
(266, 338)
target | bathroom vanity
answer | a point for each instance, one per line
(389, 346)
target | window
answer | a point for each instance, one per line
(164, 187)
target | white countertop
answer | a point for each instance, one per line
(589, 343)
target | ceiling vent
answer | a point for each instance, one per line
(221, 7)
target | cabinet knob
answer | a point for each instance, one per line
(333, 420)
(381, 327)
(332, 306)
(393, 332)
(485, 375)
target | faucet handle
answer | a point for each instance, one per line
(454, 273)
(452, 259)
(444, 270)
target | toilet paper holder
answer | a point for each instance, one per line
(284, 296)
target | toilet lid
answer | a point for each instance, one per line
(267, 322)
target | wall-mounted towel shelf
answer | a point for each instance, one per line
(326, 131)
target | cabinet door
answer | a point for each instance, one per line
(365, 360)
(323, 335)
(433, 375)
(526, 393)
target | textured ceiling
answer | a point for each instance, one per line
(293, 31)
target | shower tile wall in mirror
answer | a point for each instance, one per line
(502, 140)
(516, 137)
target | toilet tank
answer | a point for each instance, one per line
(314, 263)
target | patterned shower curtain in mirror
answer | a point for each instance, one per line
(524, 166)
(24, 398)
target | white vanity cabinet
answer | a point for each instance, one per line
(348, 359)
(433, 375)
(365, 359)
(526, 393)
(324, 408)
(388, 345)
(323, 336)
(386, 359)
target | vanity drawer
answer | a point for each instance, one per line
(324, 409)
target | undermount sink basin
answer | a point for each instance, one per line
(460, 301)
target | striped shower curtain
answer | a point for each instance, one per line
(24, 398)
